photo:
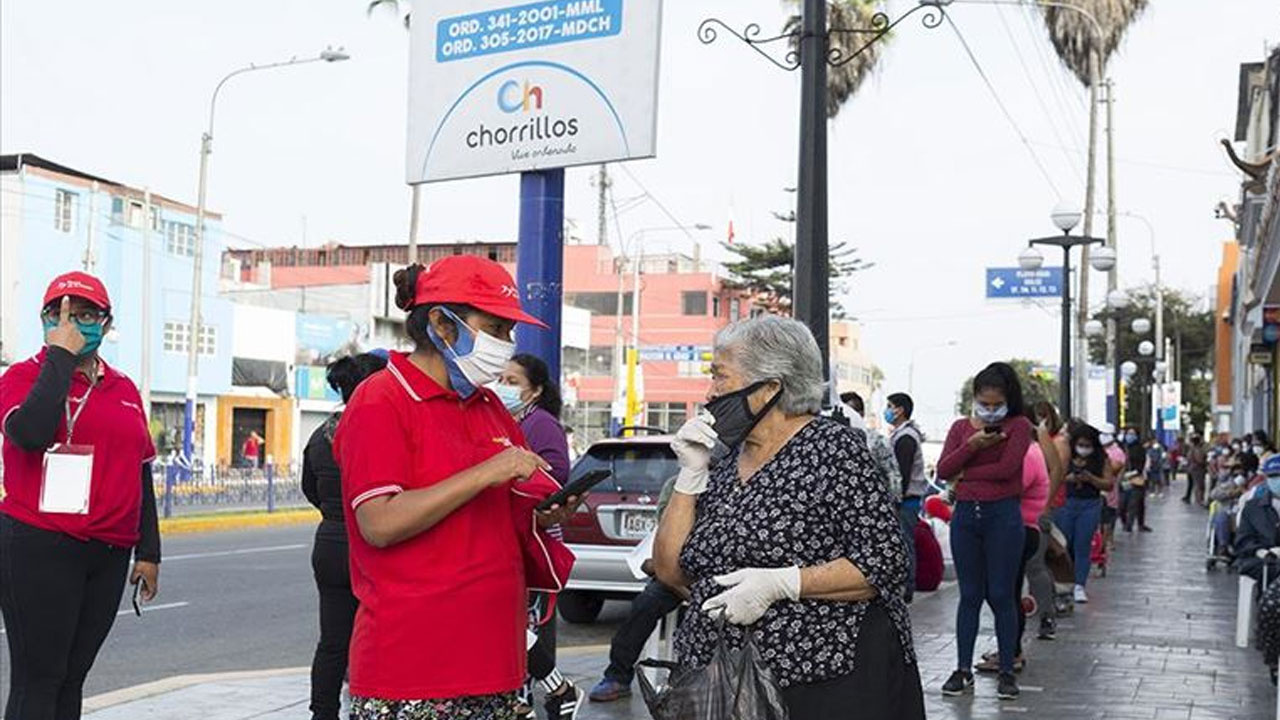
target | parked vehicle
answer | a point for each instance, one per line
(617, 515)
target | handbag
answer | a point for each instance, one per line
(735, 685)
(547, 560)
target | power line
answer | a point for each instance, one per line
(1060, 90)
(670, 216)
(1008, 116)
(1035, 90)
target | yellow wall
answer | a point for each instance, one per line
(279, 425)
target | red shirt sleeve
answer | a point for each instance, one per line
(955, 451)
(1012, 455)
(372, 446)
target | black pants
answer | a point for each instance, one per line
(60, 597)
(337, 616)
(1136, 509)
(881, 687)
(647, 610)
(1028, 551)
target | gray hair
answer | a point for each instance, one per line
(770, 347)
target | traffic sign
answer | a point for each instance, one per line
(1004, 283)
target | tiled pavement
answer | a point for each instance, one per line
(1155, 643)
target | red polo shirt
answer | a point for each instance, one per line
(443, 614)
(112, 422)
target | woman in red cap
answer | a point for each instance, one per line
(435, 473)
(77, 501)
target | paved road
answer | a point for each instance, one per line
(239, 600)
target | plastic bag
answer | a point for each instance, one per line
(735, 685)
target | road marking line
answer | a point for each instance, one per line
(230, 553)
(153, 608)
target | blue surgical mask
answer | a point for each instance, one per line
(991, 416)
(511, 396)
(1130, 438)
(890, 416)
(1273, 484)
(92, 333)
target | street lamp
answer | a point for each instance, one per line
(328, 55)
(1094, 329)
(1146, 348)
(1065, 219)
(1128, 369)
(1118, 300)
(1140, 326)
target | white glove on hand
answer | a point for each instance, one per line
(752, 591)
(692, 445)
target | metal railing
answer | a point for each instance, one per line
(216, 489)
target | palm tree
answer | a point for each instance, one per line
(844, 81)
(394, 5)
(1085, 48)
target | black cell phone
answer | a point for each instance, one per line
(137, 596)
(576, 488)
(991, 429)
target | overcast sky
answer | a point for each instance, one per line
(928, 178)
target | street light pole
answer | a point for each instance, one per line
(811, 284)
(193, 328)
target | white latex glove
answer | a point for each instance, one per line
(1264, 552)
(692, 445)
(752, 591)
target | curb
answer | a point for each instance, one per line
(237, 521)
(180, 682)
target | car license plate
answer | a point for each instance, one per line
(638, 524)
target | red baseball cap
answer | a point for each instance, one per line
(78, 284)
(472, 280)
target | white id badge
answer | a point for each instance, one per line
(68, 471)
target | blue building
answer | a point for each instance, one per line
(55, 218)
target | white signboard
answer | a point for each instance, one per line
(500, 87)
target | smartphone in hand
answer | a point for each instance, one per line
(138, 587)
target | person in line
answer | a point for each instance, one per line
(1116, 462)
(1086, 477)
(78, 500)
(829, 576)
(908, 446)
(984, 457)
(1259, 528)
(322, 486)
(1135, 505)
(648, 608)
(1040, 462)
(1259, 442)
(1197, 469)
(526, 390)
(1155, 470)
(435, 473)
(886, 461)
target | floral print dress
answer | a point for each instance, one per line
(817, 500)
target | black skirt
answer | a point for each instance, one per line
(883, 686)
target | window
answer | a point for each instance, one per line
(177, 336)
(64, 210)
(735, 308)
(666, 415)
(180, 238)
(715, 306)
(694, 302)
(599, 303)
(590, 421)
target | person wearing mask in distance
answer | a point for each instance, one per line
(984, 456)
(78, 500)
(322, 486)
(526, 389)
(1116, 462)
(1088, 475)
(1135, 475)
(908, 447)
(434, 469)
(1259, 528)
(883, 454)
(828, 575)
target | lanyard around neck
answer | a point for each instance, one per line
(72, 419)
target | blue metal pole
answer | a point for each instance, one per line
(271, 487)
(540, 263)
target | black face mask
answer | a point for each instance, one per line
(734, 419)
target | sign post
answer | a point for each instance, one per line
(1011, 283)
(502, 86)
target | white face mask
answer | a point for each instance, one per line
(1084, 450)
(487, 359)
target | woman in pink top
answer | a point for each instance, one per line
(983, 456)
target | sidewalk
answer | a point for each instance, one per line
(1156, 642)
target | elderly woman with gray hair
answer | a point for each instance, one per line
(780, 525)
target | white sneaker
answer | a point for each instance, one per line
(1080, 595)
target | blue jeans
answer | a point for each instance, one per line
(908, 516)
(1078, 520)
(987, 539)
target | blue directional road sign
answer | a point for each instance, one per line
(1005, 283)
